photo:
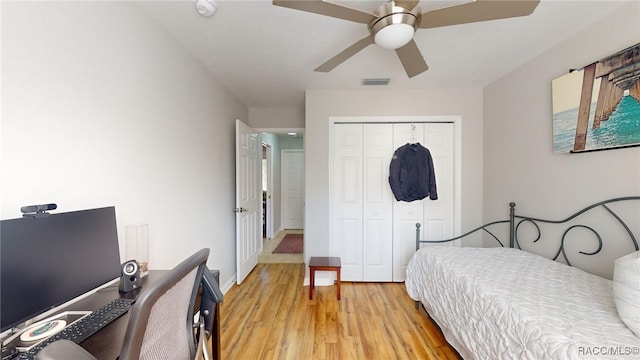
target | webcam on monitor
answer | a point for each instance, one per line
(37, 211)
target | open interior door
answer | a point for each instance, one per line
(248, 199)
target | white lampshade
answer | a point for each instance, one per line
(394, 36)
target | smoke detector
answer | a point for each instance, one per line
(206, 7)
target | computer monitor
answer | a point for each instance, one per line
(47, 261)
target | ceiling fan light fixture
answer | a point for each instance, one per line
(394, 36)
(395, 26)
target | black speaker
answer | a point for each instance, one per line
(130, 279)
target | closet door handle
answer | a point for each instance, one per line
(240, 210)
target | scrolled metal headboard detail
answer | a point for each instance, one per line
(484, 227)
(561, 248)
(516, 221)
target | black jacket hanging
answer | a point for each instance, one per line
(411, 173)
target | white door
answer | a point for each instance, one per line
(377, 240)
(346, 196)
(248, 200)
(292, 189)
(435, 216)
(438, 214)
(406, 214)
(362, 201)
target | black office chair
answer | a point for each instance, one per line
(161, 323)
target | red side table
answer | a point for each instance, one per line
(323, 263)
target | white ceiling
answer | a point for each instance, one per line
(266, 54)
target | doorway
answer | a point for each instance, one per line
(279, 193)
(267, 191)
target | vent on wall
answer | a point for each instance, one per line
(375, 81)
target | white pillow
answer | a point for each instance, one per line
(626, 290)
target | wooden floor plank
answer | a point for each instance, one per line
(269, 316)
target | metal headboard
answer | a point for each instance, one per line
(515, 221)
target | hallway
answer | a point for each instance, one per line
(267, 257)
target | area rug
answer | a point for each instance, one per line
(290, 244)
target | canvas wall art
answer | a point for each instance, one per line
(598, 107)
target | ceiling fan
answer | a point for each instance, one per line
(393, 25)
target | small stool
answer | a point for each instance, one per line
(323, 263)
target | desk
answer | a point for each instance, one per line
(106, 343)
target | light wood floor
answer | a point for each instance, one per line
(270, 316)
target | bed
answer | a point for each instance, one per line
(509, 303)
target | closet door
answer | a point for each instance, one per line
(438, 214)
(372, 232)
(346, 195)
(435, 216)
(405, 214)
(362, 201)
(377, 203)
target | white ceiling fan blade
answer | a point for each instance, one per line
(327, 8)
(345, 54)
(412, 59)
(479, 10)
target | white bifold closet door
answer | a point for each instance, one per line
(362, 201)
(372, 232)
(435, 216)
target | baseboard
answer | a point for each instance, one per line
(229, 284)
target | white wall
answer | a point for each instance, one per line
(320, 104)
(277, 117)
(519, 164)
(101, 108)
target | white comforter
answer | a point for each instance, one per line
(496, 303)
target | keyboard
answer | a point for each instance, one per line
(85, 327)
